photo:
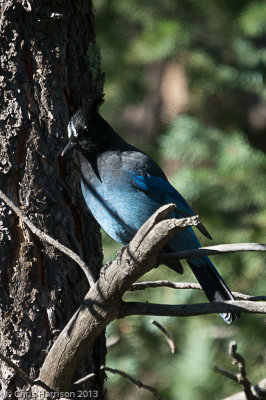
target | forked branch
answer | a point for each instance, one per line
(102, 304)
(249, 392)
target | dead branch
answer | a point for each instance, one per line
(166, 335)
(85, 378)
(249, 392)
(242, 375)
(125, 375)
(225, 372)
(45, 237)
(212, 250)
(102, 303)
(189, 310)
(164, 283)
(17, 369)
(133, 380)
(187, 285)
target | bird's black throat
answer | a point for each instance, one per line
(95, 137)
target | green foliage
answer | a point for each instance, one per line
(208, 158)
(252, 20)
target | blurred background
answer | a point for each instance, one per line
(185, 83)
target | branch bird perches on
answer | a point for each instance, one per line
(103, 304)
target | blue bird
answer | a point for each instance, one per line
(123, 187)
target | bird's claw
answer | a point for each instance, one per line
(120, 252)
(104, 268)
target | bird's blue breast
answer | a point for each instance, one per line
(115, 203)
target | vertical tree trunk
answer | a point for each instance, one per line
(49, 66)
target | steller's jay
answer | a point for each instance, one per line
(123, 187)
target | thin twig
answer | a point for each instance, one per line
(187, 285)
(124, 375)
(23, 374)
(87, 377)
(242, 375)
(164, 283)
(166, 335)
(226, 373)
(213, 250)
(45, 237)
(189, 310)
(17, 369)
(133, 380)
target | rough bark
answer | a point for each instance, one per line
(49, 66)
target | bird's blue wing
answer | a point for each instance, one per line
(163, 192)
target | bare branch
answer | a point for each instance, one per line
(189, 310)
(242, 375)
(87, 377)
(213, 250)
(226, 373)
(187, 285)
(17, 369)
(133, 380)
(102, 303)
(166, 335)
(250, 393)
(137, 382)
(164, 283)
(45, 237)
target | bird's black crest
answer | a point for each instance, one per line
(91, 107)
(87, 131)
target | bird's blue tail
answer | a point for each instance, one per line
(212, 283)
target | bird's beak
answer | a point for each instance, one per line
(67, 148)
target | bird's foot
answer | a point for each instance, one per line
(104, 269)
(120, 252)
(107, 265)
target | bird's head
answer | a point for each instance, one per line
(83, 129)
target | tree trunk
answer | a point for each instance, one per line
(49, 66)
